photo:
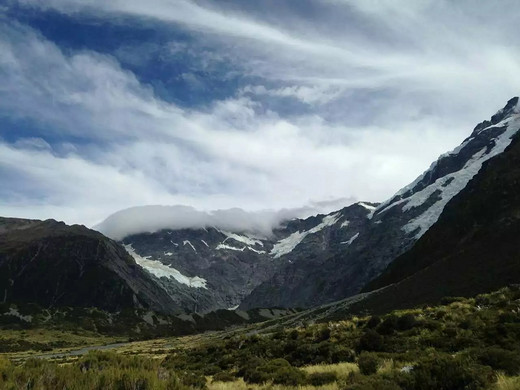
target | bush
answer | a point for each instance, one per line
(370, 341)
(289, 376)
(406, 322)
(368, 363)
(322, 378)
(388, 326)
(446, 372)
(224, 376)
(373, 322)
(500, 359)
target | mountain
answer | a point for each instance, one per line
(210, 268)
(393, 227)
(321, 259)
(474, 246)
(51, 264)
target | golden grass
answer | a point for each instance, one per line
(342, 370)
(241, 385)
(507, 382)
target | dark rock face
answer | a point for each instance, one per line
(393, 228)
(52, 264)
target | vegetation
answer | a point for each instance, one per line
(461, 344)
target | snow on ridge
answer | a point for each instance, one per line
(288, 244)
(255, 250)
(351, 239)
(452, 184)
(205, 243)
(386, 205)
(187, 242)
(225, 246)
(240, 238)
(161, 270)
(367, 206)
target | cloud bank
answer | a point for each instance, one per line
(256, 105)
(149, 219)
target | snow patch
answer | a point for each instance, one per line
(351, 239)
(161, 270)
(288, 244)
(345, 223)
(168, 253)
(255, 250)
(205, 243)
(233, 307)
(229, 247)
(240, 238)
(187, 242)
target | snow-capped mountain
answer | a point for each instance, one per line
(212, 268)
(307, 262)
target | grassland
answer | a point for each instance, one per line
(460, 344)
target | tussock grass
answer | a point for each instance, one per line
(507, 382)
(342, 370)
(241, 385)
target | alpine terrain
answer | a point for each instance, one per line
(308, 262)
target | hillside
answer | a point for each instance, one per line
(474, 246)
(51, 264)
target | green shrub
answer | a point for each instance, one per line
(406, 322)
(388, 326)
(224, 376)
(289, 376)
(373, 322)
(368, 363)
(322, 378)
(447, 372)
(370, 341)
(501, 359)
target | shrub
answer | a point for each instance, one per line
(289, 376)
(446, 372)
(322, 378)
(224, 376)
(388, 325)
(406, 322)
(370, 341)
(368, 363)
(500, 359)
(373, 322)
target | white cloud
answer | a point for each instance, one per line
(154, 218)
(382, 104)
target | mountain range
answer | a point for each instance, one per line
(451, 231)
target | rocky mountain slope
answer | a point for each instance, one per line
(394, 226)
(210, 268)
(51, 264)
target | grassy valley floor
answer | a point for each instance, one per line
(460, 344)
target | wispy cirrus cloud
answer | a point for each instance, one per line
(314, 101)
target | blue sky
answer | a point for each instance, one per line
(258, 105)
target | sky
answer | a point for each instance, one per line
(305, 105)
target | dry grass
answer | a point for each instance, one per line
(342, 370)
(507, 382)
(241, 385)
